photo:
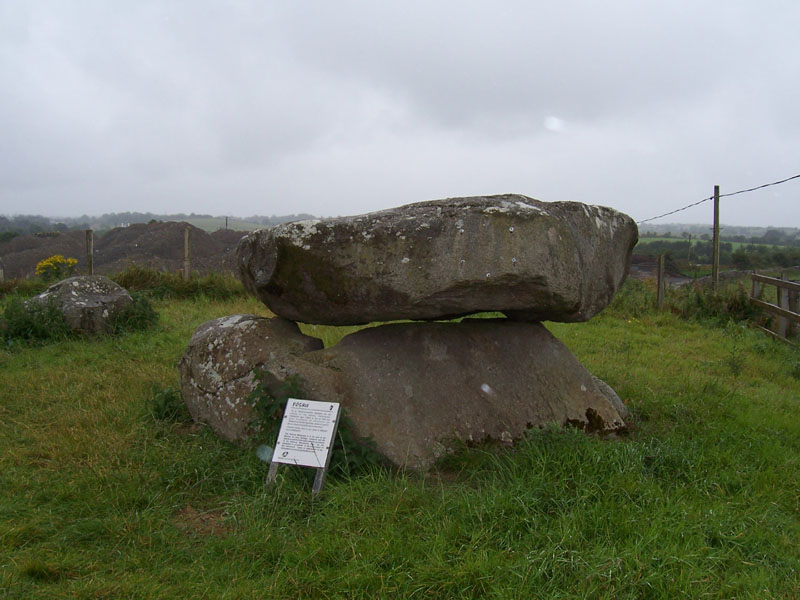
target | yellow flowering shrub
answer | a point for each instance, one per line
(56, 267)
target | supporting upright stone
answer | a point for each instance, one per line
(416, 389)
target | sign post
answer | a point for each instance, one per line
(306, 438)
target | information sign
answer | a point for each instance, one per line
(306, 434)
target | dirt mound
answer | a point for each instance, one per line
(159, 245)
(19, 255)
(228, 240)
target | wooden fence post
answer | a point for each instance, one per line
(715, 260)
(660, 282)
(89, 252)
(187, 265)
(782, 324)
(793, 302)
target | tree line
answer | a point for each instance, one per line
(745, 256)
(12, 226)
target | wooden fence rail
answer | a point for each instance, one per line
(787, 307)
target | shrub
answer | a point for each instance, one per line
(166, 404)
(136, 316)
(56, 267)
(699, 301)
(32, 322)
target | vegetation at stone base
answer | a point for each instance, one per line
(351, 454)
(166, 404)
(100, 499)
(24, 323)
(136, 316)
(160, 284)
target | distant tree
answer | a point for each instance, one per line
(773, 236)
(781, 259)
(741, 259)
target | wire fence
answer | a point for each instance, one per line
(752, 189)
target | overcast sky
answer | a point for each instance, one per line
(337, 107)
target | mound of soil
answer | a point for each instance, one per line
(158, 245)
(19, 256)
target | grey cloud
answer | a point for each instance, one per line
(336, 108)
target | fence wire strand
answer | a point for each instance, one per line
(752, 189)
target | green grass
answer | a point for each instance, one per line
(695, 240)
(103, 497)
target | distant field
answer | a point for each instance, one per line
(695, 241)
(215, 223)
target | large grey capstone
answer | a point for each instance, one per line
(217, 369)
(89, 303)
(532, 260)
(415, 388)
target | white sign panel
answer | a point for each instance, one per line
(306, 434)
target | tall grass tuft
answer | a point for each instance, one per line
(137, 316)
(31, 323)
(162, 285)
(694, 301)
(699, 301)
(22, 287)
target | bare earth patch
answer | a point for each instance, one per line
(207, 522)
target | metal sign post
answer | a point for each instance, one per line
(306, 438)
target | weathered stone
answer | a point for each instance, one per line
(415, 388)
(612, 396)
(88, 303)
(560, 261)
(217, 370)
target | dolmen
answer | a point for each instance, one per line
(442, 377)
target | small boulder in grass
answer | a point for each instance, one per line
(89, 303)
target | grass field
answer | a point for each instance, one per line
(215, 223)
(99, 498)
(734, 245)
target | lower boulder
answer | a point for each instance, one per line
(89, 303)
(217, 372)
(418, 389)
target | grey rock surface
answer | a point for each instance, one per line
(612, 396)
(417, 389)
(560, 261)
(217, 369)
(89, 303)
